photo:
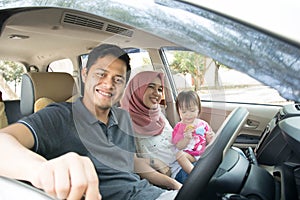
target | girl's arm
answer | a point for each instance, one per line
(181, 144)
(210, 135)
(181, 140)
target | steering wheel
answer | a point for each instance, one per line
(208, 163)
(13, 189)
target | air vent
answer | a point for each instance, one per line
(95, 24)
(119, 30)
(82, 21)
(297, 106)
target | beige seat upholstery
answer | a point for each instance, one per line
(57, 86)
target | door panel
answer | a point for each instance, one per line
(259, 116)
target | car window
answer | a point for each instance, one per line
(64, 65)
(139, 60)
(216, 82)
(10, 79)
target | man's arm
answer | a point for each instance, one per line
(67, 177)
(143, 168)
(17, 139)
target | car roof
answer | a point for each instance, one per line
(69, 32)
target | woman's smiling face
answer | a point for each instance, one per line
(153, 93)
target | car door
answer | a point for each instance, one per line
(221, 90)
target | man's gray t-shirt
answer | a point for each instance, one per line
(69, 127)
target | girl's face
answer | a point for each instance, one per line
(188, 114)
(153, 94)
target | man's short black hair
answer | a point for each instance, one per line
(108, 49)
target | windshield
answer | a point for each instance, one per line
(233, 44)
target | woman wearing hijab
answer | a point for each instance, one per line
(152, 130)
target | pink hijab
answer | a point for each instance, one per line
(146, 121)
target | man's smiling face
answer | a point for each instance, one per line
(104, 82)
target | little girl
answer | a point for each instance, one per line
(191, 134)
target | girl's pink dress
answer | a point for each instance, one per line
(197, 145)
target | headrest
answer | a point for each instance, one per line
(58, 86)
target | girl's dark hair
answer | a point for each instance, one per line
(108, 49)
(187, 99)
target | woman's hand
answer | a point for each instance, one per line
(161, 167)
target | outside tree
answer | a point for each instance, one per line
(12, 72)
(190, 62)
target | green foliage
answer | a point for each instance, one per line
(190, 62)
(11, 71)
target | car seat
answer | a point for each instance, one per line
(57, 86)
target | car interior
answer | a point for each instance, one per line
(256, 154)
